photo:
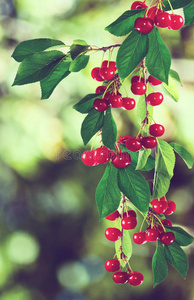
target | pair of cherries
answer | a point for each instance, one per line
(162, 206)
(135, 144)
(105, 72)
(128, 222)
(138, 86)
(114, 101)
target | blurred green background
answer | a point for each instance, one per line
(52, 246)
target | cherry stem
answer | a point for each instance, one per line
(143, 222)
(160, 222)
(143, 65)
(122, 230)
(171, 6)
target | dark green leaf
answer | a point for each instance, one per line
(158, 57)
(175, 4)
(78, 47)
(175, 76)
(142, 158)
(135, 187)
(189, 13)
(79, 63)
(127, 247)
(109, 130)
(182, 237)
(27, 48)
(161, 185)
(186, 156)
(108, 195)
(85, 105)
(37, 67)
(125, 23)
(131, 53)
(92, 123)
(177, 258)
(171, 89)
(159, 264)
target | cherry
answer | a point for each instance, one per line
(102, 155)
(130, 213)
(121, 160)
(152, 12)
(156, 130)
(112, 265)
(138, 88)
(135, 278)
(137, 78)
(154, 99)
(109, 64)
(128, 223)
(144, 25)
(176, 22)
(138, 5)
(88, 158)
(166, 222)
(96, 75)
(148, 142)
(139, 238)
(153, 80)
(100, 104)
(159, 206)
(114, 216)
(162, 19)
(115, 101)
(120, 277)
(100, 89)
(152, 235)
(167, 238)
(123, 139)
(128, 103)
(171, 208)
(107, 73)
(133, 144)
(112, 234)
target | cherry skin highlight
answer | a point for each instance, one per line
(139, 238)
(135, 278)
(128, 103)
(121, 160)
(138, 88)
(128, 223)
(114, 216)
(162, 19)
(167, 238)
(102, 155)
(159, 206)
(176, 22)
(100, 104)
(144, 25)
(107, 73)
(112, 265)
(133, 144)
(155, 99)
(149, 142)
(112, 234)
(156, 130)
(152, 235)
(115, 101)
(88, 158)
(96, 75)
(120, 277)
(171, 208)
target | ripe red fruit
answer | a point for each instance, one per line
(171, 208)
(162, 20)
(137, 78)
(128, 223)
(138, 5)
(100, 104)
(148, 142)
(109, 64)
(139, 238)
(135, 278)
(112, 265)
(167, 238)
(152, 234)
(156, 130)
(100, 89)
(176, 22)
(128, 103)
(155, 99)
(138, 88)
(112, 234)
(121, 160)
(113, 216)
(133, 144)
(96, 75)
(153, 80)
(102, 155)
(144, 25)
(130, 213)
(107, 73)
(159, 206)
(88, 158)
(120, 277)
(166, 222)
(115, 101)
(152, 12)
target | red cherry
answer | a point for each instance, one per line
(137, 78)
(128, 103)
(149, 142)
(88, 158)
(100, 104)
(112, 234)
(121, 160)
(115, 101)
(138, 5)
(100, 89)
(123, 139)
(133, 144)
(107, 73)
(166, 222)
(152, 235)
(96, 75)
(139, 238)
(156, 130)
(171, 208)
(162, 19)
(130, 213)
(153, 80)
(135, 278)
(159, 206)
(154, 99)
(167, 238)
(102, 155)
(112, 265)
(138, 88)
(120, 277)
(109, 64)
(152, 12)
(144, 25)
(176, 22)
(114, 216)
(128, 223)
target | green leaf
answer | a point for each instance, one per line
(37, 67)
(175, 4)
(161, 185)
(27, 48)
(125, 23)
(177, 258)
(135, 187)
(79, 63)
(85, 105)
(92, 123)
(159, 264)
(109, 130)
(78, 47)
(171, 89)
(186, 156)
(108, 195)
(141, 109)
(127, 247)
(49, 83)
(131, 53)
(142, 158)
(175, 76)
(189, 14)
(182, 237)
(158, 57)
